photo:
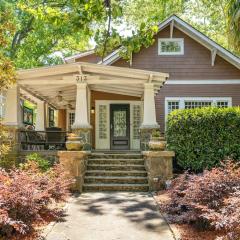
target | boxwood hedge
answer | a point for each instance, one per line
(203, 137)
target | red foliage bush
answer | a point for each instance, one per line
(26, 195)
(210, 199)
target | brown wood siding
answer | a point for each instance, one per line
(95, 95)
(194, 64)
(92, 58)
(231, 90)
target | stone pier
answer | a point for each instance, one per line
(75, 163)
(159, 167)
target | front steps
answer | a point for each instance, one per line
(114, 171)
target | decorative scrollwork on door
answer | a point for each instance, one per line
(120, 123)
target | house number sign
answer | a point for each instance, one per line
(81, 78)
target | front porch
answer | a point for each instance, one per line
(111, 108)
(108, 106)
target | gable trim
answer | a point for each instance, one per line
(201, 38)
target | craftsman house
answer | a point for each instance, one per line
(114, 100)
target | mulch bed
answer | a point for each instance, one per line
(187, 231)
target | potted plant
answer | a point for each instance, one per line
(74, 142)
(157, 143)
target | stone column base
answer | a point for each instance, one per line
(75, 164)
(86, 135)
(159, 167)
(145, 136)
(9, 158)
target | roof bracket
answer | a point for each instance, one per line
(213, 56)
(171, 28)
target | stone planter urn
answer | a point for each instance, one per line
(74, 142)
(157, 143)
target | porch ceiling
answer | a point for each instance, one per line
(49, 82)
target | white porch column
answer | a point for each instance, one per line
(40, 117)
(13, 112)
(81, 111)
(149, 111)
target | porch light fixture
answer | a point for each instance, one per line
(59, 98)
(92, 110)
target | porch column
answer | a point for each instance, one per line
(13, 118)
(149, 110)
(149, 116)
(40, 117)
(81, 111)
(81, 125)
(13, 112)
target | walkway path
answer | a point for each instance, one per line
(112, 216)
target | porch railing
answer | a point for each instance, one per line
(42, 140)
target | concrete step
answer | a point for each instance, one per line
(116, 161)
(116, 167)
(116, 173)
(116, 187)
(116, 179)
(115, 156)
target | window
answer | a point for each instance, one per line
(222, 104)
(170, 46)
(51, 121)
(71, 118)
(197, 104)
(2, 106)
(102, 124)
(173, 105)
(136, 121)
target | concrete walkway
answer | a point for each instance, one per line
(112, 216)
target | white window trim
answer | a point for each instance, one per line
(68, 127)
(181, 101)
(181, 40)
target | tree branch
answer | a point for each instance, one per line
(108, 5)
(20, 35)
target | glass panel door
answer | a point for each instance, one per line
(120, 126)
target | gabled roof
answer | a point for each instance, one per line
(194, 34)
(72, 58)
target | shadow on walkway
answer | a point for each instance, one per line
(141, 210)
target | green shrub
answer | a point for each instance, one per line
(42, 163)
(203, 137)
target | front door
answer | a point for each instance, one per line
(120, 126)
